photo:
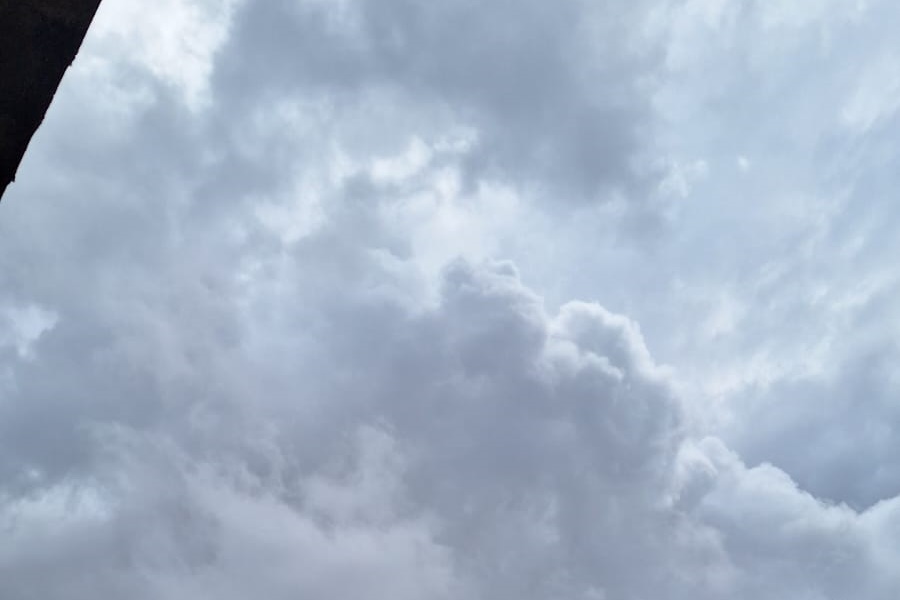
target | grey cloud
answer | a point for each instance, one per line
(770, 294)
(835, 433)
(784, 540)
(557, 93)
(221, 412)
(538, 469)
(491, 445)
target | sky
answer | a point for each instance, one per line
(482, 300)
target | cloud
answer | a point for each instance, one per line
(555, 94)
(785, 540)
(788, 255)
(255, 338)
(482, 426)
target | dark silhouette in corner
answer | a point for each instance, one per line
(38, 41)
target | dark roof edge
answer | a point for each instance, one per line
(39, 39)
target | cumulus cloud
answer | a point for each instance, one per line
(256, 338)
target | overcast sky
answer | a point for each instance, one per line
(461, 299)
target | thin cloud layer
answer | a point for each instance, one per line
(255, 337)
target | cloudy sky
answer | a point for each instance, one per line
(464, 299)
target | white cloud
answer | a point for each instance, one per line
(177, 40)
(875, 97)
(23, 326)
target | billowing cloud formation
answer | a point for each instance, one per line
(255, 338)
